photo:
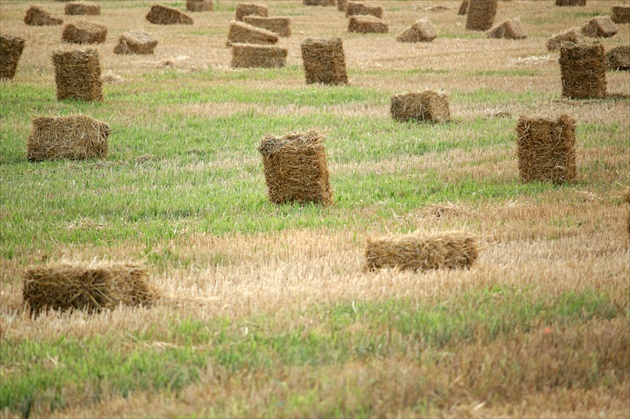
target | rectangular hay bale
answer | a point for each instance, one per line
(38, 16)
(278, 25)
(84, 32)
(341, 5)
(420, 31)
(620, 14)
(164, 15)
(480, 14)
(136, 42)
(569, 37)
(570, 2)
(428, 106)
(11, 48)
(509, 29)
(199, 5)
(258, 56)
(78, 74)
(82, 8)
(324, 61)
(600, 27)
(355, 8)
(318, 2)
(248, 9)
(583, 71)
(366, 24)
(618, 58)
(242, 33)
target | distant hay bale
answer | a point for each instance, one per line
(242, 33)
(278, 25)
(11, 48)
(77, 75)
(436, 9)
(420, 31)
(136, 42)
(570, 2)
(509, 29)
(600, 27)
(163, 15)
(84, 32)
(583, 71)
(620, 14)
(423, 252)
(324, 61)
(463, 8)
(627, 199)
(355, 8)
(480, 14)
(199, 5)
(546, 149)
(92, 287)
(249, 9)
(618, 58)
(420, 106)
(38, 16)
(568, 38)
(295, 168)
(82, 8)
(367, 24)
(319, 2)
(341, 5)
(261, 56)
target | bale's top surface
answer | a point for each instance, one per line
(290, 142)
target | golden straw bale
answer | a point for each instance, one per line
(278, 25)
(420, 31)
(341, 5)
(77, 74)
(367, 24)
(420, 106)
(11, 48)
(318, 2)
(546, 149)
(38, 16)
(480, 14)
(509, 29)
(324, 61)
(262, 56)
(82, 8)
(84, 32)
(136, 42)
(583, 71)
(163, 15)
(199, 5)
(568, 38)
(248, 9)
(417, 251)
(600, 27)
(620, 14)
(92, 287)
(570, 2)
(618, 58)
(295, 168)
(355, 8)
(463, 8)
(242, 33)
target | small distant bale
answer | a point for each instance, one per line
(136, 42)
(600, 27)
(355, 8)
(261, 56)
(367, 24)
(567, 38)
(463, 8)
(38, 16)
(199, 5)
(11, 48)
(324, 61)
(341, 5)
(436, 9)
(583, 71)
(627, 199)
(319, 2)
(249, 9)
(546, 149)
(163, 15)
(509, 29)
(618, 58)
(427, 106)
(570, 2)
(242, 33)
(278, 25)
(82, 8)
(295, 168)
(420, 31)
(84, 32)
(481, 14)
(620, 14)
(77, 75)
(422, 252)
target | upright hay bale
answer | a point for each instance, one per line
(367, 24)
(420, 106)
(82, 8)
(262, 56)
(11, 48)
(295, 168)
(600, 27)
(318, 2)
(420, 31)
(37, 16)
(136, 42)
(324, 61)
(568, 38)
(546, 149)
(163, 15)
(480, 14)
(341, 5)
(620, 14)
(509, 29)
(583, 71)
(570, 2)
(463, 8)
(278, 25)
(248, 9)
(618, 58)
(199, 5)
(92, 287)
(77, 75)
(354, 8)
(451, 250)
(242, 33)
(84, 32)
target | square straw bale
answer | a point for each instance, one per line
(136, 42)
(481, 14)
(423, 252)
(82, 8)
(242, 33)
(463, 8)
(509, 29)
(163, 15)
(570, 2)
(38, 16)
(618, 58)
(318, 2)
(420, 106)
(583, 71)
(569, 38)
(84, 32)
(199, 5)
(600, 27)
(78, 74)
(248, 9)
(295, 168)
(11, 48)
(620, 14)
(261, 56)
(278, 25)
(367, 24)
(92, 287)
(354, 8)
(546, 149)
(341, 5)
(324, 61)
(420, 31)
(75, 137)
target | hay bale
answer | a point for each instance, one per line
(509, 29)
(163, 15)
(82, 8)
(600, 27)
(420, 106)
(583, 71)
(355, 8)
(199, 5)
(420, 31)
(324, 61)
(278, 25)
(11, 48)
(570, 2)
(451, 250)
(463, 8)
(92, 287)
(262, 56)
(136, 42)
(318, 2)
(242, 33)
(620, 14)
(618, 58)
(84, 32)
(627, 199)
(77, 74)
(546, 149)
(341, 5)
(295, 168)
(567, 38)
(480, 14)
(38, 16)
(436, 9)
(367, 24)
(249, 9)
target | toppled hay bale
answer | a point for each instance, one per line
(84, 32)
(136, 42)
(341, 5)
(420, 106)
(620, 14)
(92, 287)
(618, 58)
(570, 2)
(295, 168)
(324, 61)
(583, 71)
(278, 25)
(163, 15)
(37, 16)
(243, 33)
(480, 14)
(452, 250)
(248, 9)
(420, 31)
(546, 149)
(318, 2)
(509, 29)
(600, 27)
(11, 48)
(463, 8)
(569, 37)
(199, 5)
(262, 56)
(354, 8)
(367, 24)
(77, 74)
(82, 8)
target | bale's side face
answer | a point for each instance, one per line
(480, 14)
(258, 56)
(162, 15)
(324, 61)
(78, 75)
(583, 71)
(11, 48)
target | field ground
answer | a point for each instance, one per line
(266, 310)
